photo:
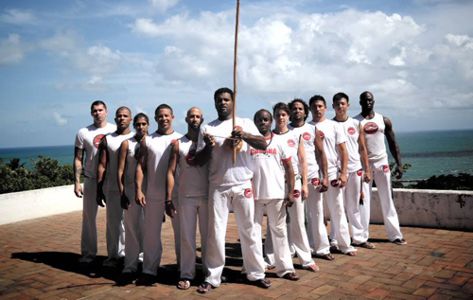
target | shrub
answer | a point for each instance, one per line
(47, 172)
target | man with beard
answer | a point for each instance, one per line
(376, 127)
(298, 237)
(230, 187)
(192, 182)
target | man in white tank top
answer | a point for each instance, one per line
(358, 168)
(133, 216)
(154, 152)
(192, 181)
(107, 186)
(376, 127)
(230, 187)
(271, 167)
(334, 140)
(85, 160)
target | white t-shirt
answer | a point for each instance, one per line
(114, 142)
(307, 133)
(290, 140)
(332, 135)
(158, 152)
(269, 173)
(351, 127)
(88, 139)
(222, 171)
(193, 179)
(374, 134)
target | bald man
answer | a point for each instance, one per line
(192, 185)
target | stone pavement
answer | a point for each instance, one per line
(38, 259)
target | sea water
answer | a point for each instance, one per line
(429, 153)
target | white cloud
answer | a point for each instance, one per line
(11, 50)
(17, 17)
(163, 5)
(59, 119)
(96, 62)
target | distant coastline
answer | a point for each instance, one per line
(428, 152)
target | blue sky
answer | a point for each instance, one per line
(56, 57)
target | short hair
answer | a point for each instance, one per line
(139, 116)
(281, 106)
(364, 94)
(221, 91)
(122, 108)
(97, 102)
(315, 98)
(261, 111)
(340, 96)
(163, 106)
(306, 107)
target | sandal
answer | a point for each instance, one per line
(327, 256)
(183, 284)
(313, 268)
(291, 276)
(352, 253)
(204, 288)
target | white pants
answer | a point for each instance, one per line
(134, 222)
(276, 214)
(297, 233)
(352, 205)
(189, 210)
(152, 246)
(316, 227)
(391, 220)
(240, 198)
(89, 220)
(115, 227)
(338, 221)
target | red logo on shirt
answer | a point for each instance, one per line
(97, 140)
(385, 168)
(306, 136)
(370, 127)
(359, 172)
(291, 143)
(351, 130)
(315, 181)
(321, 134)
(296, 194)
(248, 193)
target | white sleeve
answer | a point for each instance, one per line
(79, 143)
(341, 137)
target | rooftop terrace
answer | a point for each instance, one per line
(38, 259)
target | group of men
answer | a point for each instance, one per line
(235, 165)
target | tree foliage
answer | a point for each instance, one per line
(47, 172)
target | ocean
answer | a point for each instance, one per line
(429, 153)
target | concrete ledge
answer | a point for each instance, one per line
(422, 208)
(429, 208)
(38, 203)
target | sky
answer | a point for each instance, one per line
(56, 57)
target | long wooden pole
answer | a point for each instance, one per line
(235, 64)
